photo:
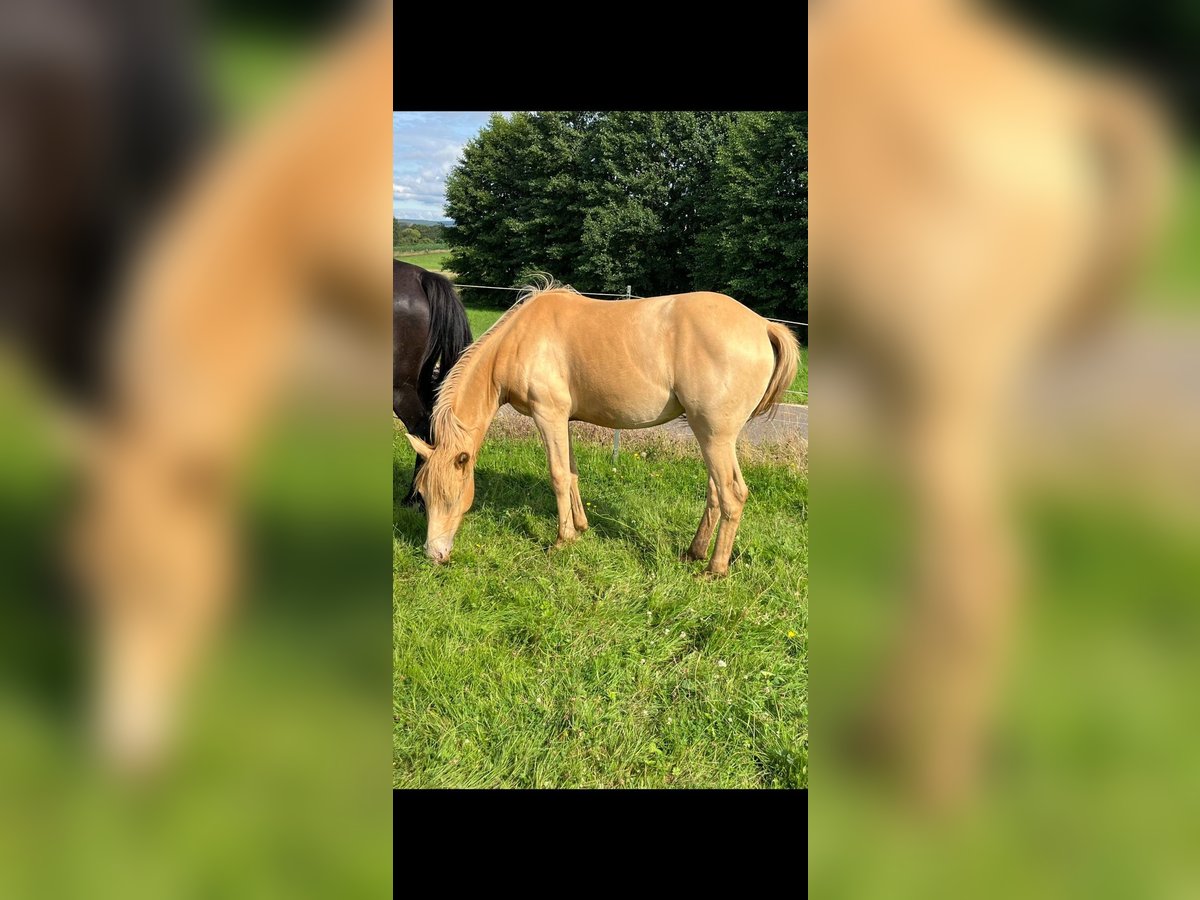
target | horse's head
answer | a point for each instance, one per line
(152, 545)
(446, 483)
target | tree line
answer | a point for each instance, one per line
(409, 236)
(663, 201)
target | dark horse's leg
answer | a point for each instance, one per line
(407, 406)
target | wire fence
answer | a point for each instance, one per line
(629, 295)
(488, 287)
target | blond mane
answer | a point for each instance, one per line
(443, 420)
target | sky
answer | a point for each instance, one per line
(425, 147)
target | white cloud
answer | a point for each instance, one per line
(425, 149)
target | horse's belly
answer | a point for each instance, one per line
(628, 413)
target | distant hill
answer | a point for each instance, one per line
(449, 223)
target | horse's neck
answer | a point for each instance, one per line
(477, 396)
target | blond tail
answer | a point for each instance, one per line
(1134, 139)
(787, 360)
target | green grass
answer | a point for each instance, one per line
(800, 382)
(606, 663)
(251, 67)
(482, 318)
(1174, 276)
(431, 261)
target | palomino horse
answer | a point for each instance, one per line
(429, 333)
(210, 319)
(558, 356)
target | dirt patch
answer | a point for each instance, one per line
(762, 442)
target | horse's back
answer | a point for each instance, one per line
(635, 363)
(716, 311)
(406, 278)
(649, 334)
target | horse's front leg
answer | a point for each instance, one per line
(558, 453)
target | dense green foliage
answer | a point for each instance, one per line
(654, 200)
(756, 246)
(515, 200)
(645, 177)
(408, 237)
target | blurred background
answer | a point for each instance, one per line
(1157, 41)
(1089, 782)
(280, 784)
(1087, 773)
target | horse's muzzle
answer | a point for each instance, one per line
(439, 553)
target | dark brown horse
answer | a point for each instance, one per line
(103, 109)
(429, 332)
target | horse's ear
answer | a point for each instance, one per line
(423, 449)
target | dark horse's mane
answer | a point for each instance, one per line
(449, 333)
(424, 348)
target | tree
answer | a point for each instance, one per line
(515, 200)
(645, 175)
(663, 201)
(755, 244)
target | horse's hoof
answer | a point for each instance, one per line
(710, 575)
(688, 556)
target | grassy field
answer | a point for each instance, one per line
(431, 261)
(482, 318)
(607, 663)
(800, 382)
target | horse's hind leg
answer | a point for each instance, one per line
(721, 458)
(577, 513)
(708, 522)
